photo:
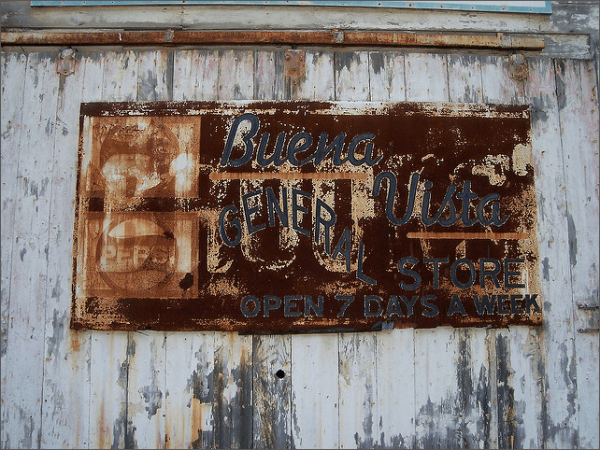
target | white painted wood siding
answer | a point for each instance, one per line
(522, 387)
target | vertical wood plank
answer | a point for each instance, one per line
(472, 364)
(65, 413)
(269, 83)
(578, 112)
(236, 69)
(436, 390)
(272, 354)
(232, 408)
(315, 391)
(558, 326)
(395, 389)
(517, 359)
(351, 76)
(232, 404)
(81, 341)
(395, 348)
(195, 75)
(464, 79)
(436, 350)
(271, 391)
(111, 351)
(147, 375)
(190, 377)
(14, 67)
(386, 77)
(319, 82)
(13, 79)
(190, 392)
(146, 390)
(24, 358)
(426, 78)
(357, 351)
(315, 418)
(358, 385)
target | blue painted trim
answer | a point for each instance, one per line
(505, 6)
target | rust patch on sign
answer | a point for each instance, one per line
(293, 217)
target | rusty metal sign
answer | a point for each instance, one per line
(269, 217)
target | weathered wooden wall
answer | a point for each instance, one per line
(522, 387)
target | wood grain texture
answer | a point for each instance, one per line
(522, 387)
(190, 357)
(394, 410)
(14, 67)
(146, 380)
(474, 389)
(436, 421)
(578, 112)
(111, 352)
(271, 355)
(27, 308)
(65, 419)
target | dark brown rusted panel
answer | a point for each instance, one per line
(298, 217)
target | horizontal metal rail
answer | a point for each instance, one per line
(330, 37)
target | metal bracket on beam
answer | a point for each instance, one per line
(65, 65)
(592, 322)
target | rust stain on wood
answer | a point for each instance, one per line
(291, 217)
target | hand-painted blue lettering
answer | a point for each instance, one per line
(344, 248)
(273, 206)
(472, 274)
(509, 273)
(367, 158)
(496, 220)
(486, 305)
(451, 218)
(446, 203)
(502, 304)
(327, 224)
(391, 192)
(409, 304)
(466, 195)
(530, 301)
(347, 299)
(436, 272)
(310, 305)
(235, 223)
(456, 306)
(231, 138)
(298, 144)
(393, 308)
(290, 305)
(410, 273)
(359, 271)
(276, 158)
(431, 310)
(337, 146)
(514, 307)
(271, 302)
(493, 273)
(297, 207)
(249, 211)
(250, 306)
(371, 311)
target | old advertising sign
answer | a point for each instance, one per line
(286, 217)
